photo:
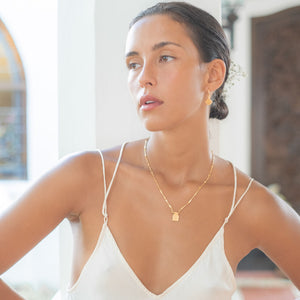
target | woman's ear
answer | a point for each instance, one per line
(216, 71)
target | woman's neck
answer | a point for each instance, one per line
(181, 155)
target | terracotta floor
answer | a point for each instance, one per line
(265, 285)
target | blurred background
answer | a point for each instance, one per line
(63, 88)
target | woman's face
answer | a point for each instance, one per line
(165, 73)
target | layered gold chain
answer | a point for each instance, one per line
(175, 214)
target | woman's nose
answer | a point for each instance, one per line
(147, 76)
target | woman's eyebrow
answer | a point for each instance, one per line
(155, 47)
(132, 53)
(163, 44)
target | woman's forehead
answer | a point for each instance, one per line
(154, 29)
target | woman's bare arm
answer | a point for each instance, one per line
(60, 193)
(277, 228)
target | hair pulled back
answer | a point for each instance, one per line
(207, 35)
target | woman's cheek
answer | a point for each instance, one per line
(131, 85)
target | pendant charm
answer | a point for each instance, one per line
(175, 216)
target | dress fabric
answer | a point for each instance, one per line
(107, 275)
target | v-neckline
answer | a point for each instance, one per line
(131, 271)
(185, 274)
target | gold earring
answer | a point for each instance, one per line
(208, 101)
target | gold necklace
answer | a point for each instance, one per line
(175, 214)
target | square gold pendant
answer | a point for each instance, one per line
(175, 217)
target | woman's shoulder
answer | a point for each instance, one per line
(89, 160)
(259, 206)
(86, 167)
(130, 154)
(255, 192)
(227, 174)
(79, 164)
(258, 201)
(263, 213)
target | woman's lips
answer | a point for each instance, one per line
(149, 102)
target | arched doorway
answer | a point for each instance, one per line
(13, 154)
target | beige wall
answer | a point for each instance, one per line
(33, 25)
(76, 75)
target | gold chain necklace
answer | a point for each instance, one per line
(175, 214)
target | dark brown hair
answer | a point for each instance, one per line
(207, 35)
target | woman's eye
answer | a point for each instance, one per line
(133, 66)
(165, 58)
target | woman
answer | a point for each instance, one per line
(176, 219)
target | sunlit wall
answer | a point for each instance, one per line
(33, 26)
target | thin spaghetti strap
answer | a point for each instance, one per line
(104, 207)
(245, 192)
(234, 193)
(235, 187)
(238, 201)
(103, 170)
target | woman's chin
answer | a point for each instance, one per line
(158, 125)
(152, 125)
